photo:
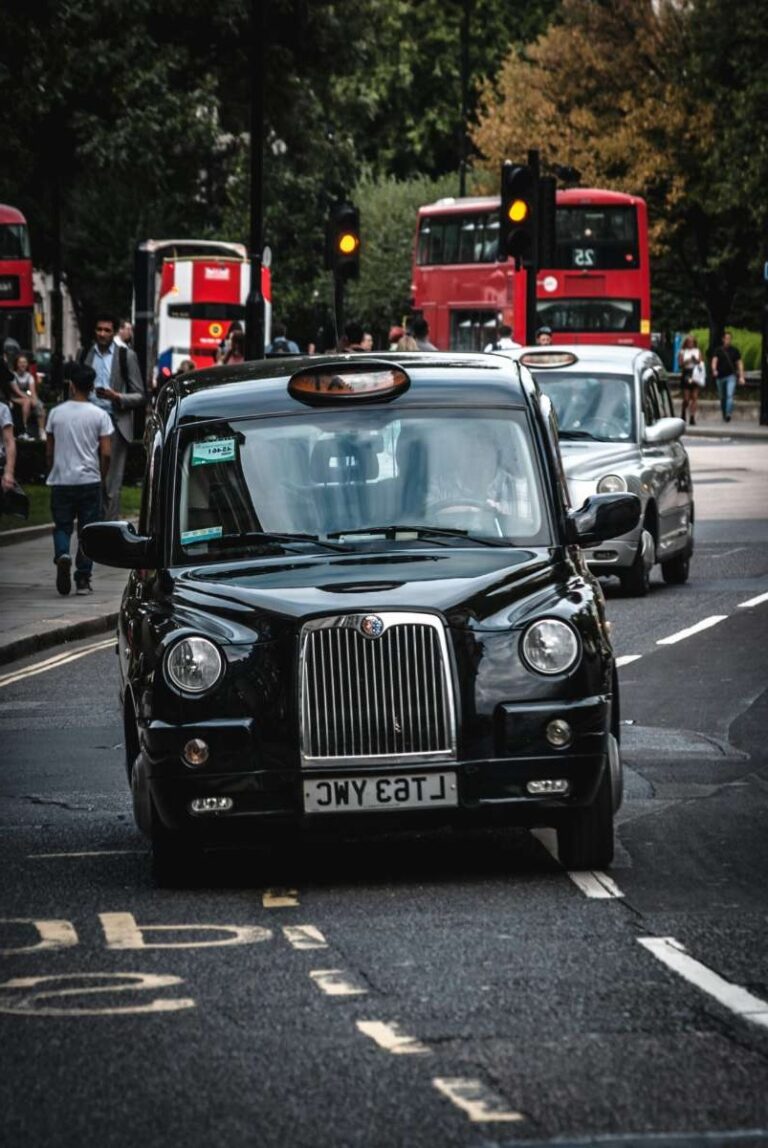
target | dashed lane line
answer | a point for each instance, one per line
(99, 853)
(627, 659)
(304, 937)
(53, 663)
(481, 1104)
(593, 883)
(704, 624)
(758, 601)
(337, 983)
(392, 1039)
(733, 997)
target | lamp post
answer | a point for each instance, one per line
(254, 304)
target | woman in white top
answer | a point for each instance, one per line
(27, 384)
(692, 376)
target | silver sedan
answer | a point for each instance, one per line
(618, 432)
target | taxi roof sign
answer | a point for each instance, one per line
(548, 358)
(348, 382)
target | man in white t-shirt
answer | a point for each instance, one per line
(503, 341)
(77, 450)
(7, 449)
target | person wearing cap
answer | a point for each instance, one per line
(395, 333)
(544, 336)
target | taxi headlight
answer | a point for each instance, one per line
(193, 665)
(550, 646)
(611, 484)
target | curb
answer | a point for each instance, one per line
(759, 433)
(25, 534)
(71, 632)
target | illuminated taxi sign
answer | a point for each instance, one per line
(348, 382)
(548, 359)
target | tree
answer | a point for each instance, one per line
(648, 96)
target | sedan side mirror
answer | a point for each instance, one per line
(603, 516)
(665, 430)
(118, 544)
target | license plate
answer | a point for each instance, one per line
(395, 791)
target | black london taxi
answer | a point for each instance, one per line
(358, 602)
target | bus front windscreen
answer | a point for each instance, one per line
(596, 237)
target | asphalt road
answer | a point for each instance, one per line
(445, 990)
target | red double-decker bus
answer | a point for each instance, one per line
(16, 294)
(598, 290)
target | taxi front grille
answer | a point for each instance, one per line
(363, 699)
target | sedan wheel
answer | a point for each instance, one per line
(675, 570)
(636, 582)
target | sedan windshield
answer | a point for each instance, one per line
(333, 480)
(590, 406)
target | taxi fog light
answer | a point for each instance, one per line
(558, 785)
(196, 751)
(211, 804)
(559, 733)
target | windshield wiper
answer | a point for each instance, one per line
(436, 532)
(577, 434)
(275, 536)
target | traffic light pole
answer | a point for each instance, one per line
(254, 304)
(532, 264)
(338, 307)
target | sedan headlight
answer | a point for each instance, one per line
(611, 484)
(550, 646)
(193, 665)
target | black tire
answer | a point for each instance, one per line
(636, 582)
(585, 840)
(176, 860)
(675, 571)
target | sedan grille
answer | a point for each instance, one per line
(367, 698)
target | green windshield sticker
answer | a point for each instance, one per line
(216, 450)
(190, 536)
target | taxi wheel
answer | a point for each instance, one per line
(585, 840)
(636, 582)
(176, 861)
(675, 570)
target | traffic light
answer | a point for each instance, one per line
(547, 239)
(343, 241)
(517, 221)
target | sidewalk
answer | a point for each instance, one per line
(33, 616)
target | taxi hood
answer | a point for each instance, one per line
(470, 587)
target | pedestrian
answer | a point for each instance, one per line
(395, 334)
(185, 367)
(366, 343)
(226, 343)
(353, 338)
(124, 336)
(503, 340)
(7, 449)
(281, 344)
(77, 450)
(420, 332)
(236, 352)
(692, 376)
(406, 343)
(727, 364)
(27, 385)
(544, 336)
(119, 391)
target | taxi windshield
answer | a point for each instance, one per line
(330, 480)
(590, 406)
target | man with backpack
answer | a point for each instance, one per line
(281, 344)
(119, 391)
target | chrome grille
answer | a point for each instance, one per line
(363, 699)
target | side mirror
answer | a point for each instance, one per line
(603, 516)
(118, 544)
(665, 430)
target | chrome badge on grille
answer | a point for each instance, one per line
(372, 626)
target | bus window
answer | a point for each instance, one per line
(594, 237)
(589, 314)
(472, 330)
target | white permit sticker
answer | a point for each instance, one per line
(216, 450)
(190, 536)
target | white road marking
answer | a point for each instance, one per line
(592, 883)
(280, 898)
(53, 934)
(481, 1104)
(16, 999)
(305, 937)
(391, 1038)
(53, 663)
(733, 997)
(758, 601)
(99, 853)
(337, 983)
(626, 659)
(681, 634)
(122, 932)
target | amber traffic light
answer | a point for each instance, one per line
(343, 241)
(518, 212)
